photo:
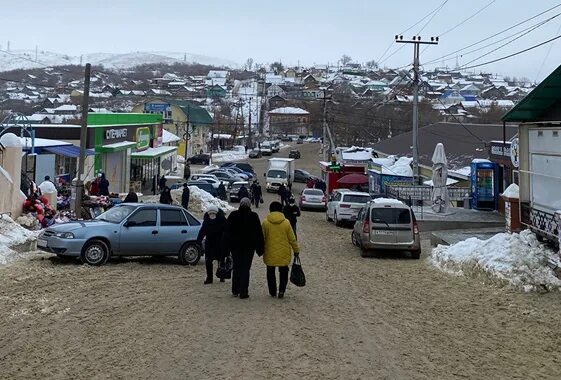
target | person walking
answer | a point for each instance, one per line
(165, 196)
(244, 238)
(131, 197)
(185, 196)
(291, 212)
(256, 193)
(282, 193)
(162, 183)
(103, 185)
(243, 193)
(280, 242)
(222, 191)
(214, 225)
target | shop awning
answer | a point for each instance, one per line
(154, 152)
(68, 150)
(117, 147)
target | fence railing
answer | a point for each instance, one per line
(423, 192)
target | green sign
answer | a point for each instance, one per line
(142, 138)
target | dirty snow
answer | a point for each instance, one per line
(199, 200)
(226, 156)
(516, 260)
(12, 234)
(512, 191)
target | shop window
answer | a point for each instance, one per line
(172, 218)
(144, 218)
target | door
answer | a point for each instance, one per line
(331, 205)
(173, 232)
(391, 225)
(139, 234)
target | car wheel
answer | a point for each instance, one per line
(337, 221)
(95, 252)
(190, 254)
(416, 254)
(354, 239)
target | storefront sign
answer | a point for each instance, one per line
(142, 138)
(112, 134)
(500, 150)
(156, 107)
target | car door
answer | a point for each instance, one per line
(173, 232)
(403, 226)
(382, 225)
(139, 233)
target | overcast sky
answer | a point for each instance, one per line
(305, 31)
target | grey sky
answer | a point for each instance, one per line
(309, 31)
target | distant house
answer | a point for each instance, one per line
(66, 109)
(493, 93)
(451, 97)
(470, 89)
(275, 90)
(158, 92)
(310, 82)
(290, 73)
(216, 91)
(276, 101)
(288, 121)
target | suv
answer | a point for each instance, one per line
(344, 205)
(294, 154)
(199, 159)
(387, 224)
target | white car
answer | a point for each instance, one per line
(210, 178)
(344, 205)
(312, 199)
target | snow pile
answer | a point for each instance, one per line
(229, 156)
(199, 200)
(356, 153)
(512, 191)
(12, 234)
(401, 167)
(516, 260)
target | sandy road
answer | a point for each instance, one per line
(387, 317)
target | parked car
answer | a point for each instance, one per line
(206, 186)
(300, 141)
(255, 153)
(131, 229)
(234, 172)
(313, 199)
(210, 178)
(223, 175)
(294, 154)
(199, 159)
(286, 138)
(387, 224)
(241, 172)
(242, 165)
(343, 205)
(236, 186)
(302, 175)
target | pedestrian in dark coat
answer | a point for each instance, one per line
(244, 238)
(103, 185)
(185, 196)
(292, 212)
(162, 183)
(131, 197)
(283, 194)
(165, 196)
(243, 193)
(213, 228)
(222, 191)
(256, 193)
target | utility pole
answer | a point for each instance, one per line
(416, 41)
(249, 128)
(325, 150)
(79, 190)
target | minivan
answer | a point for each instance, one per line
(387, 224)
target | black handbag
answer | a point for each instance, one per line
(224, 269)
(297, 276)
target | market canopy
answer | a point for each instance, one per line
(72, 151)
(353, 179)
(535, 106)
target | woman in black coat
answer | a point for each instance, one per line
(165, 197)
(214, 225)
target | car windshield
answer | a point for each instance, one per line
(391, 215)
(303, 172)
(276, 174)
(313, 192)
(354, 198)
(116, 214)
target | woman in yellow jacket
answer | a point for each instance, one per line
(279, 244)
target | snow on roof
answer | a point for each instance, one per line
(168, 137)
(512, 191)
(41, 143)
(66, 107)
(9, 140)
(290, 110)
(357, 154)
(387, 201)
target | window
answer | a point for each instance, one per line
(116, 214)
(391, 215)
(192, 220)
(172, 218)
(313, 192)
(356, 198)
(144, 218)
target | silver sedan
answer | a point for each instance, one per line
(313, 199)
(130, 229)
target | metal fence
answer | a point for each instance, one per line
(423, 193)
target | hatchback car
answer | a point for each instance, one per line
(343, 205)
(130, 229)
(294, 154)
(236, 186)
(313, 199)
(255, 153)
(199, 159)
(387, 224)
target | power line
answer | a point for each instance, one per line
(546, 56)
(494, 35)
(467, 19)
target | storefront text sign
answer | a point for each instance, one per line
(112, 134)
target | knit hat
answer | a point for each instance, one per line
(212, 209)
(245, 202)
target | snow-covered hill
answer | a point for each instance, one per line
(25, 59)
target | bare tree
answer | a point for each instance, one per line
(345, 59)
(277, 67)
(249, 64)
(372, 65)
